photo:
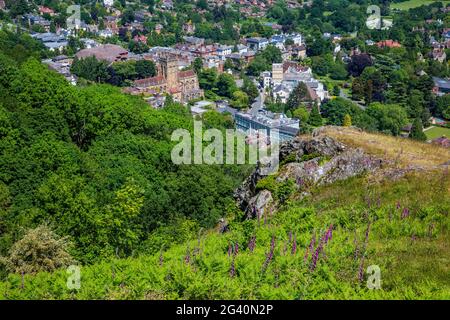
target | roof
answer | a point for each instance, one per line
(389, 44)
(148, 82)
(441, 83)
(186, 74)
(108, 52)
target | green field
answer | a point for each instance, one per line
(437, 132)
(413, 4)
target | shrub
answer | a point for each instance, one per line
(39, 250)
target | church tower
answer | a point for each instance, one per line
(170, 71)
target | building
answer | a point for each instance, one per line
(223, 50)
(108, 52)
(287, 75)
(441, 86)
(265, 122)
(442, 141)
(46, 10)
(182, 85)
(52, 41)
(277, 73)
(257, 43)
(388, 44)
(439, 55)
(37, 20)
(267, 78)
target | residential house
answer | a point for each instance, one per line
(37, 20)
(46, 10)
(298, 52)
(257, 43)
(439, 55)
(223, 50)
(388, 44)
(158, 28)
(52, 41)
(442, 141)
(441, 86)
(242, 48)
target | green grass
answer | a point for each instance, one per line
(414, 259)
(414, 3)
(437, 132)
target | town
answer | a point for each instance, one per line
(248, 70)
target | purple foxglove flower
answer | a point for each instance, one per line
(232, 269)
(361, 270)
(294, 245)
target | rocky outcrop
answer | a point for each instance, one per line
(315, 161)
(319, 171)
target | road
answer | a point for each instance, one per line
(346, 97)
(258, 104)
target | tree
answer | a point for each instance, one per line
(19, 7)
(417, 131)
(338, 72)
(226, 85)
(208, 79)
(358, 63)
(390, 118)
(336, 109)
(347, 121)
(145, 68)
(315, 119)
(302, 114)
(336, 91)
(250, 89)
(240, 100)
(137, 47)
(297, 96)
(91, 69)
(197, 65)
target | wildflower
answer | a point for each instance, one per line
(187, 257)
(405, 213)
(232, 269)
(161, 259)
(230, 250)
(290, 236)
(23, 281)
(236, 248)
(310, 247)
(294, 245)
(398, 205)
(361, 270)
(269, 256)
(252, 243)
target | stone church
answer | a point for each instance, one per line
(182, 85)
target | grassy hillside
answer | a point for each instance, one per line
(400, 225)
(406, 5)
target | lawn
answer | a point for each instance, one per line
(406, 5)
(437, 132)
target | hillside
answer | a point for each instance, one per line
(316, 240)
